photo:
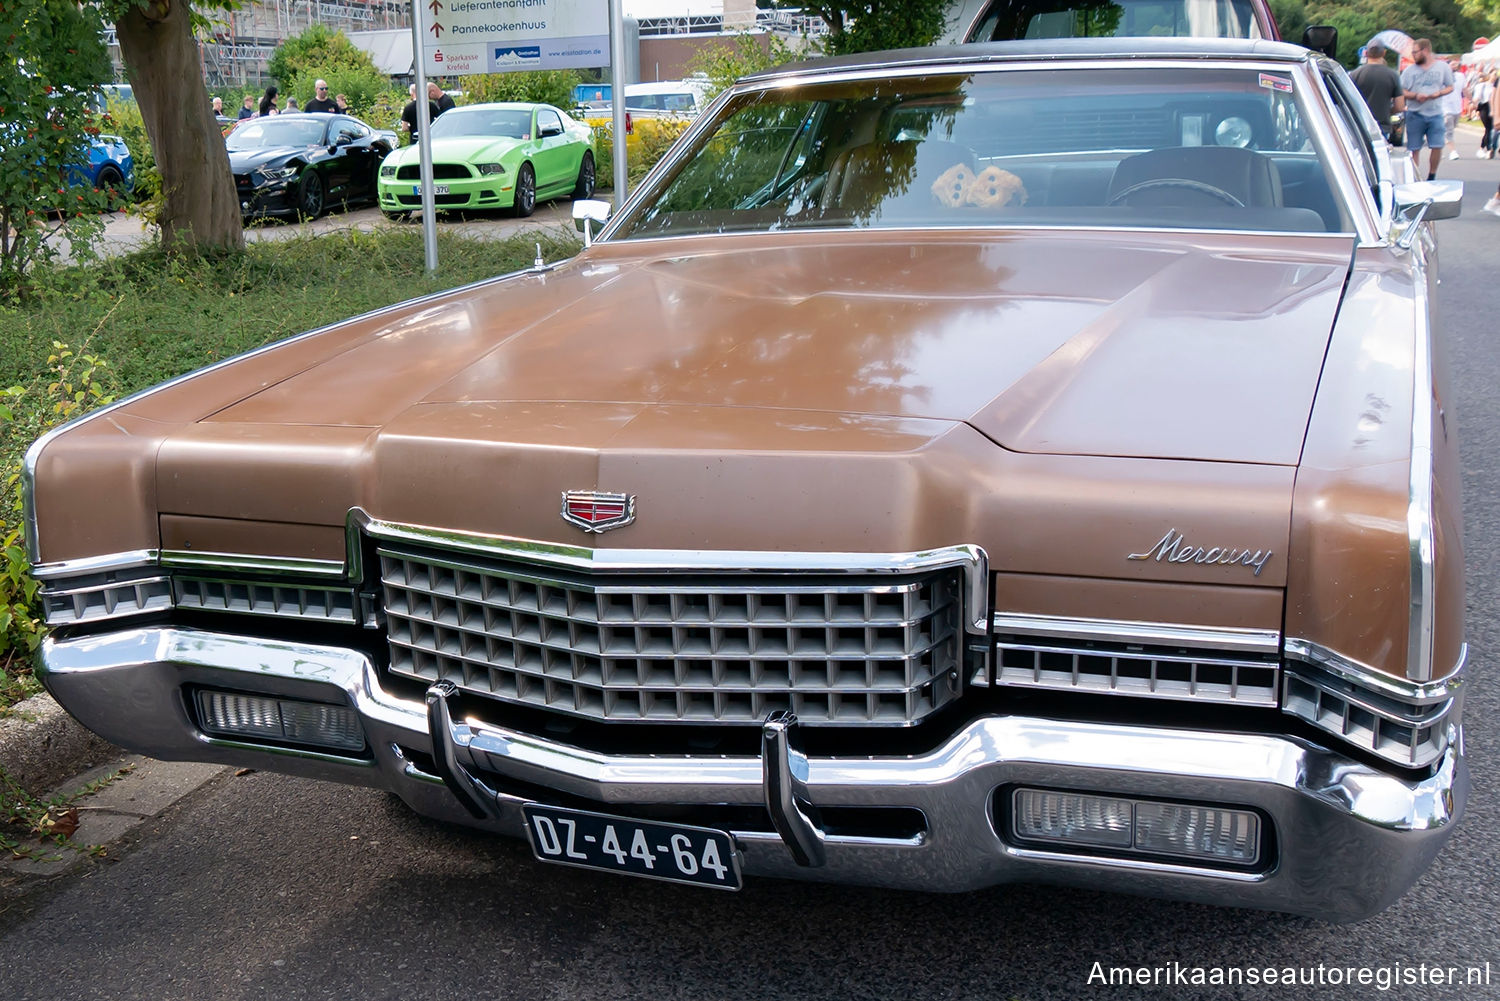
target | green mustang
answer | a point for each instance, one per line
(493, 156)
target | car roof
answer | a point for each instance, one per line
(666, 87)
(504, 106)
(939, 56)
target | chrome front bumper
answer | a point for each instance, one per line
(1348, 839)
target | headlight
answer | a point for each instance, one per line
(386, 171)
(490, 168)
(278, 173)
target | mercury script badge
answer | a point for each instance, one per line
(1173, 548)
(597, 511)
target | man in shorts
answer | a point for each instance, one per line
(1424, 84)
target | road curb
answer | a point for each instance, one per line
(41, 746)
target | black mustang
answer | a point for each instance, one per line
(298, 165)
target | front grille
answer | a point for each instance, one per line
(1161, 672)
(440, 172)
(1404, 732)
(334, 604)
(713, 648)
(99, 598)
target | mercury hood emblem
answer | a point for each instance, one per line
(1173, 548)
(596, 510)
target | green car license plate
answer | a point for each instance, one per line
(674, 852)
(437, 189)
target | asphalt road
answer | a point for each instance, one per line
(267, 887)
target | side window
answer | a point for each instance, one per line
(1356, 131)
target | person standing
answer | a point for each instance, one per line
(217, 104)
(441, 101)
(320, 103)
(1380, 86)
(268, 102)
(1484, 90)
(1424, 84)
(1453, 106)
(248, 108)
(409, 123)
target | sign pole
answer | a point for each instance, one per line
(617, 97)
(424, 123)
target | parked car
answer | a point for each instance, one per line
(1033, 464)
(494, 156)
(110, 166)
(301, 164)
(667, 98)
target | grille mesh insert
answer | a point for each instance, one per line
(723, 648)
(1130, 669)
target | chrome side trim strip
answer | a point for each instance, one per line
(134, 560)
(1263, 641)
(972, 560)
(1419, 529)
(278, 566)
(34, 453)
(1364, 676)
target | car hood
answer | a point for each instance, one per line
(1183, 346)
(244, 161)
(467, 149)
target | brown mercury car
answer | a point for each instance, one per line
(1012, 462)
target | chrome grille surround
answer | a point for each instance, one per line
(1151, 660)
(1405, 723)
(680, 645)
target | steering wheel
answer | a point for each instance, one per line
(1201, 187)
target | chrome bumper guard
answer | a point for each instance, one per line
(1348, 838)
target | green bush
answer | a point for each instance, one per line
(362, 86)
(316, 50)
(124, 119)
(553, 87)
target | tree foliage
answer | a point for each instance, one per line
(870, 25)
(53, 59)
(1451, 27)
(725, 62)
(317, 50)
(543, 86)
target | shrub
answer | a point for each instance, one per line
(362, 86)
(553, 87)
(653, 137)
(124, 119)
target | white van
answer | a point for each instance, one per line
(684, 98)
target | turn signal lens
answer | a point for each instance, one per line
(1068, 817)
(231, 714)
(1197, 831)
(1137, 827)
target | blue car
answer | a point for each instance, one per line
(110, 165)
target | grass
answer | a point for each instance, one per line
(133, 321)
(152, 317)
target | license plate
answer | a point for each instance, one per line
(674, 852)
(437, 189)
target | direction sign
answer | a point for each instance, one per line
(498, 36)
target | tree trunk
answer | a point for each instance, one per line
(200, 209)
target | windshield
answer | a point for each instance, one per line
(1196, 147)
(1006, 20)
(497, 123)
(260, 133)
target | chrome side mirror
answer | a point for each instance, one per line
(586, 211)
(1426, 201)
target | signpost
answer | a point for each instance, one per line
(499, 36)
(459, 37)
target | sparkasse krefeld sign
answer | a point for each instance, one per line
(497, 36)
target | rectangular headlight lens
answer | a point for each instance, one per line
(491, 168)
(387, 171)
(233, 714)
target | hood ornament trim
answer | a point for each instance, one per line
(597, 510)
(1173, 548)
